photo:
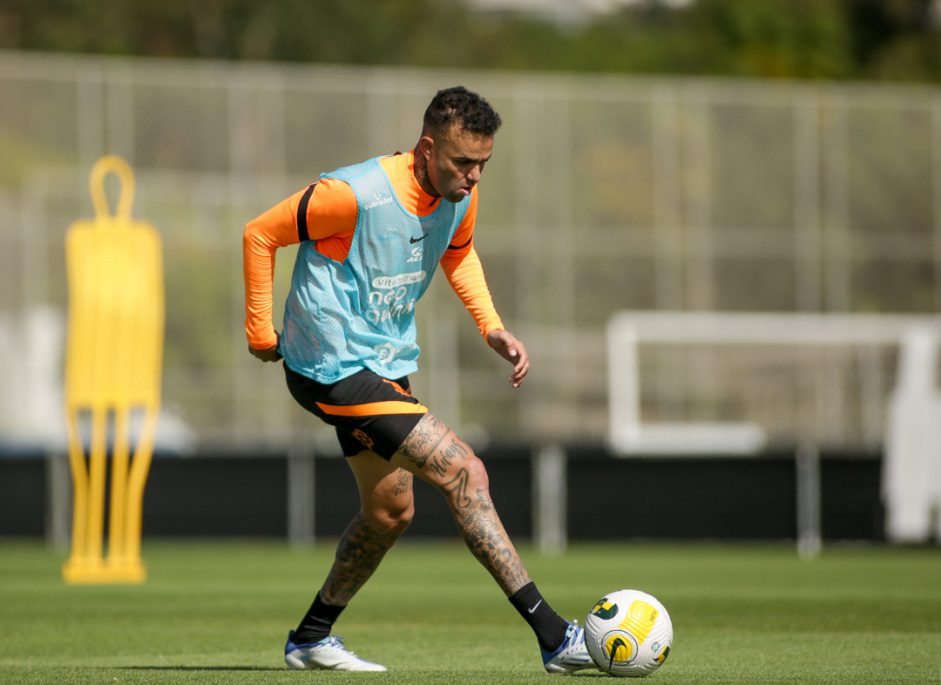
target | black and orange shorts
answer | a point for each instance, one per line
(367, 410)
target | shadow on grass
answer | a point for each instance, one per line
(588, 673)
(196, 668)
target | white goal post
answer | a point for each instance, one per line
(909, 410)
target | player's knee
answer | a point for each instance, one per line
(392, 518)
(477, 478)
(467, 482)
(401, 517)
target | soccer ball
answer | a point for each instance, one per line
(628, 633)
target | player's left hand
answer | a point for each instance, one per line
(510, 348)
(268, 354)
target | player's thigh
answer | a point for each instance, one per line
(368, 411)
(385, 490)
(435, 453)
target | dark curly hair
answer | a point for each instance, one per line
(461, 107)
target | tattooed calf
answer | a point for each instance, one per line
(485, 537)
(361, 549)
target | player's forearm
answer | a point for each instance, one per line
(262, 237)
(466, 276)
(258, 259)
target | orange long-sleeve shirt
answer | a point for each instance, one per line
(330, 221)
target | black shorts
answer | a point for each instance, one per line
(368, 411)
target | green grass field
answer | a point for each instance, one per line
(213, 612)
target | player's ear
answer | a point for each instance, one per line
(427, 145)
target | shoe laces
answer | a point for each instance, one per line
(336, 641)
(575, 634)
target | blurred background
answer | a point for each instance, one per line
(692, 157)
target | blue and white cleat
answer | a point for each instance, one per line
(572, 655)
(327, 655)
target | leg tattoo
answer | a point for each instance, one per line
(439, 456)
(485, 537)
(404, 483)
(359, 552)
(424, 440)
(457, 489)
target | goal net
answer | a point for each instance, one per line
(693, 383)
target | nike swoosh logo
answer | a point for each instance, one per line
(416, 240)
(535, 607)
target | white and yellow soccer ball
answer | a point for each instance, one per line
(629, 633)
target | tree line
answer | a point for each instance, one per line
(894, 40)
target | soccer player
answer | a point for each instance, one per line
(371, 236)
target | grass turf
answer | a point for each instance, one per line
(214, 612)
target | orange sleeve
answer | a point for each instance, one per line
(329, 218)
(262, 237)
(331, 211)
(464, 272)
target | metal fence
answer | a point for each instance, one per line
(604, 193)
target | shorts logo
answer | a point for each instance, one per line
(398, 388)
(366, 441)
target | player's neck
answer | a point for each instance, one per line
(420, 167)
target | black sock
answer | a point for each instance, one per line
(549, 626)
(316, 625)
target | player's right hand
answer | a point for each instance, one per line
(269, 354)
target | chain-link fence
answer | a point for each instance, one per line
(604, 194)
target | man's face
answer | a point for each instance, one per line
(455, 162)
